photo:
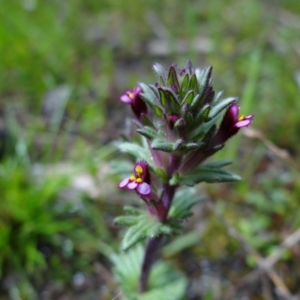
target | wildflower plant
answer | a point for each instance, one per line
(177, 121)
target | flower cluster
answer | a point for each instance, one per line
(178, 116)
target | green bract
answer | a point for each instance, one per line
(183, 111)
(142, 225)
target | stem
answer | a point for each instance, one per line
(153, 244)
(149, 258)
(167, 196)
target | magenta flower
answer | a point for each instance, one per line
(230, 125)
(140, 181)
(134, 98)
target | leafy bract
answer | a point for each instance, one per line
(210, 173)
(142, 225)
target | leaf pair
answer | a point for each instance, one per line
(142, 226)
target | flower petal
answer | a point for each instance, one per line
(243, 123)
(249, 117)
(124, 183)
(137, 90)
(132, 185)
(125, 98)
(234, 110)
(144, 189)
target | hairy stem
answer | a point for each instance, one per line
(153, 244)
(149, 258)
(168, 195)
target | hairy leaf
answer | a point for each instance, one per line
(183, 202)
(218, 108)
(134, 150)
(209, 175)
(160, 72)
(148, 132)
(159, 144)
(141, 226)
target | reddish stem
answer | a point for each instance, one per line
(162, 209)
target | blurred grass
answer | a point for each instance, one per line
(96, 49)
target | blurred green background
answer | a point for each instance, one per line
(63, 66)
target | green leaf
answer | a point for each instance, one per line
(183, 202)
(126, 220)
(202, 116)
(203, 78)
(159, 144)
(165, 282)
(194, 84)
(142, 225)
(148, 132)
(133, 210)
(158, 110)
(202, 130)
(196, 101)
(209, 175)
(192, 146)
(135, 150)
(184, 110)
(154, 89)
(172, 77)
(148, 95)
(189, 118)
(127, 268)
(217, 98)
(146, 121)
(162, 97)
(135, 234)
(182, 242)
(160, 72)
(218, 108)
(122, 168)
(184, 85)
(217, 164)
(146, 226)
(188, 98)
(175, 225)
(174, 97)
(170, 291)
(177, 145)
(169, 99)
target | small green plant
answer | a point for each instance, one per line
(176, 119)
(41, 230)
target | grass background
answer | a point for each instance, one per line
(64, 65)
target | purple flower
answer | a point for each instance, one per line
(134, 98)
(140, 181)
(230, 125)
